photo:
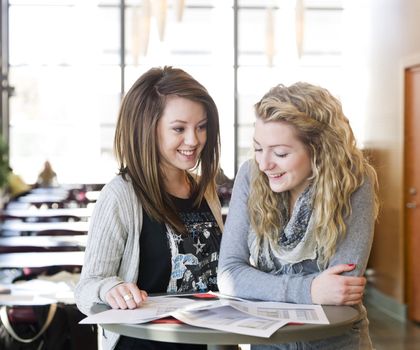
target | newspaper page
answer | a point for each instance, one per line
(296, 313)
(153, 308)
(256, 318)
(228, 319)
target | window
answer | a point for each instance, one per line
(70, 61)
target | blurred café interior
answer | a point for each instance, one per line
(65, 65)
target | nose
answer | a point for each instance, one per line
(265, 162)
(191, 138)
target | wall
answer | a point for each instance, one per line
(394, 32)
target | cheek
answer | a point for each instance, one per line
(164, 147)
(203, 137)
(309, 169)
(257, 157)
(305, 168)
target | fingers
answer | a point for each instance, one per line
(355, 281)
(337, 269)
(125, 296)
(137, 294)
(353, 299)
(352, 290)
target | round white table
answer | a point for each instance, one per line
(341, 319)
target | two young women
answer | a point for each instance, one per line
(306, 202)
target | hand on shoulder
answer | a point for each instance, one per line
(331, 288)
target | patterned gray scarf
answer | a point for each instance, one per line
(296, 228)
(294, 244)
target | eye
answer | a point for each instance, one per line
(202, 126)
(257, 149)
(178, 129)
(281, 155)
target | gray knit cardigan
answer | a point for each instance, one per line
(112, 254)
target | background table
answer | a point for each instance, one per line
(41, 259)
(37, 213)
(341, 319)
(42, 243)
(16, 228)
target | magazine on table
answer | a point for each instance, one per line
(216, 311)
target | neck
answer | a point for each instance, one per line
(292, 200)
(294, 195)
(178, 185)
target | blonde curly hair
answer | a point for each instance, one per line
(338, 167)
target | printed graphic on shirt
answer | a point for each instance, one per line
(195, 256)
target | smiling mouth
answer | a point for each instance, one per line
(275, 176)
(187, 153)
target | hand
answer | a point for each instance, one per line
(330, 288)
(125, 295)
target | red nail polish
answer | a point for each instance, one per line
(351, 265)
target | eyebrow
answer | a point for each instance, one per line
(184, 122)
(272, 146)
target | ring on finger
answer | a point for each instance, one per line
(128, 297)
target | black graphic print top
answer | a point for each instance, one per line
(173, 263)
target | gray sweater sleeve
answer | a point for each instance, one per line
(112, 250)
(355, 247)
(237, 277)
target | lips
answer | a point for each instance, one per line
(187, 153)
(275, 176)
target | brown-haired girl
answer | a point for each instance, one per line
(157, 225)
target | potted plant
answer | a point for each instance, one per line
(4, 169)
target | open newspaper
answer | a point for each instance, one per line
(216, 311)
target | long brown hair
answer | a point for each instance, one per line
(338, 167)
(136, 147)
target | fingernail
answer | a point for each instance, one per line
(351, 265)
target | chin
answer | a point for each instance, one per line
(278, 189)
(186, 166)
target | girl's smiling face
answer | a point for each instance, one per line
(181, 134)
(282, 157)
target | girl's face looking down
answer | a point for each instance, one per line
(181, 134)
(282, 157)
